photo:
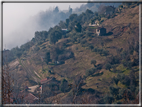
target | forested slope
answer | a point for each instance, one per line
(90, 68)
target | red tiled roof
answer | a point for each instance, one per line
(43, 81)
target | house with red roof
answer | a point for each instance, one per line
(43, 81)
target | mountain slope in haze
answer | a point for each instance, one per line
(86, 68)
(94, 6)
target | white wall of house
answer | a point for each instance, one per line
(98, 32)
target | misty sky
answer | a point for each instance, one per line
(19, 20)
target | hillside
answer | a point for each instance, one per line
(82, 66)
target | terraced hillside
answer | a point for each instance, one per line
(90, 68)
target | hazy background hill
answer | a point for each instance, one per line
(23, 29)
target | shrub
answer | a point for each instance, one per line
(78, 40)
(76, 48)
(64, 86)
(88, 34)
(104, 52)
(121, 77)
(99, 66)
(78, 27)
(108, 66)
(132, 88)
(66, 55)
(108, 99)
(74, 39)
(95, 50)
(125, 55)
(124, 63)
(36, 48)
(127, 64)
(68, 35)
(47, 57)
(93, 62)
(79, 35)
(114, 91)
(116, 80)
(126, 94)
(90, 71)
(53, 87)
(114, 60)
(126, 81)
(91, 47)
(83, 41)
(108, 40)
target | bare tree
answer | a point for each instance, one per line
(6, 85)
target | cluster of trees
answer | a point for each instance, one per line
(102, 52)
(78, 20)
(55, 34)
(74, 22)
(104, 12)
(40, 36)
(58, 54)
(127, 94)
(128, 57)
(118, 95)
(52, 17)
(64, 87)
(90, 71)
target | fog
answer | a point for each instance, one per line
(21, 20)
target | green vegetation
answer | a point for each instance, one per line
(47, 57)
(64, 87)
(93, 62)
(102, 68)
(90, 71)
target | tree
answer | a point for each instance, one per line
(116, 80)
(6, 85)
(91, 47)
(106, 9)
(108, 99)
(102, 44)
(47, 57)
(88, 12)
(70, 10)
(90, 71)
(108, 66)
(78, 27)
(114, 91)
(72, 17)
(126, 81)
(64, 87)
(55, 34)
(67, 22)
(56, 10)
(62, 24)
(93, 62)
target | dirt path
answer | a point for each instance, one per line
(37, 74)
(30, 72)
